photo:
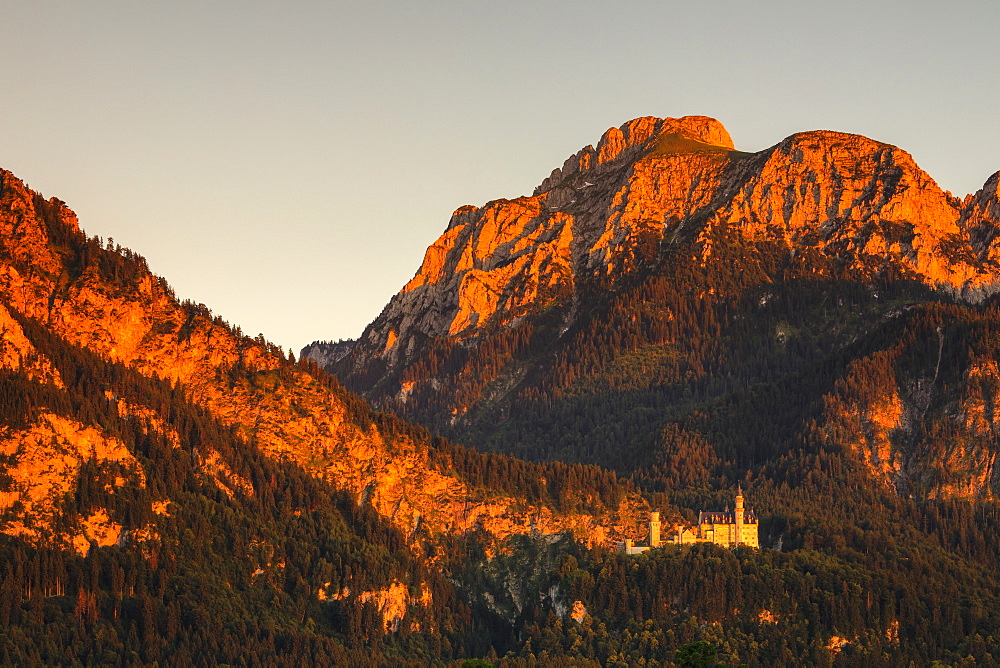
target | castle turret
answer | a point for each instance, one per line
(654, 529)
(738, 514)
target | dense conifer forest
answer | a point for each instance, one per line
(689, 378)
(233, 578)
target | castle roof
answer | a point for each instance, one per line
(726, 517)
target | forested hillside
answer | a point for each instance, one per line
(174, 491)
(816, 321)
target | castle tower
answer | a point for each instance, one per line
(738, 515)
(654, 529)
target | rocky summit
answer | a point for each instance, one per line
(652, 182)
(655, 248)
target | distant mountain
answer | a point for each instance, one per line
(328, 353)
(662, 272)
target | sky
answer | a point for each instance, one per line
(287, 164)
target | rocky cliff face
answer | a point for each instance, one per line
(104, 300)
(981, 217)
(488, 323)
(860, 202)
(511, 257)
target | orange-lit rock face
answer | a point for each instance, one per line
(884, 422)
(866, 415)
(642, 135)
(224, 478)
(478, 259)
(151, 422)
(20, 220)
(19, 354)
(46, 457)
(290, 415)
(99, 528)
(391, 602)
(970, 461)
(856, 199)
(655, 182)
(598, 214)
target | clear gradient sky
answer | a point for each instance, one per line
(288, 163)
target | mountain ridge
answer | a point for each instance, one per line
(105, 300)
(563, 245)
(503, 297)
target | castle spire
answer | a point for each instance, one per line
(738, 515)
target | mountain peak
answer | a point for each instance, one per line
(822, 203)
(648, 130)
(642, 136)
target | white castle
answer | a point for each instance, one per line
(726, 528)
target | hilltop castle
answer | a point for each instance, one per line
(729, 529)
